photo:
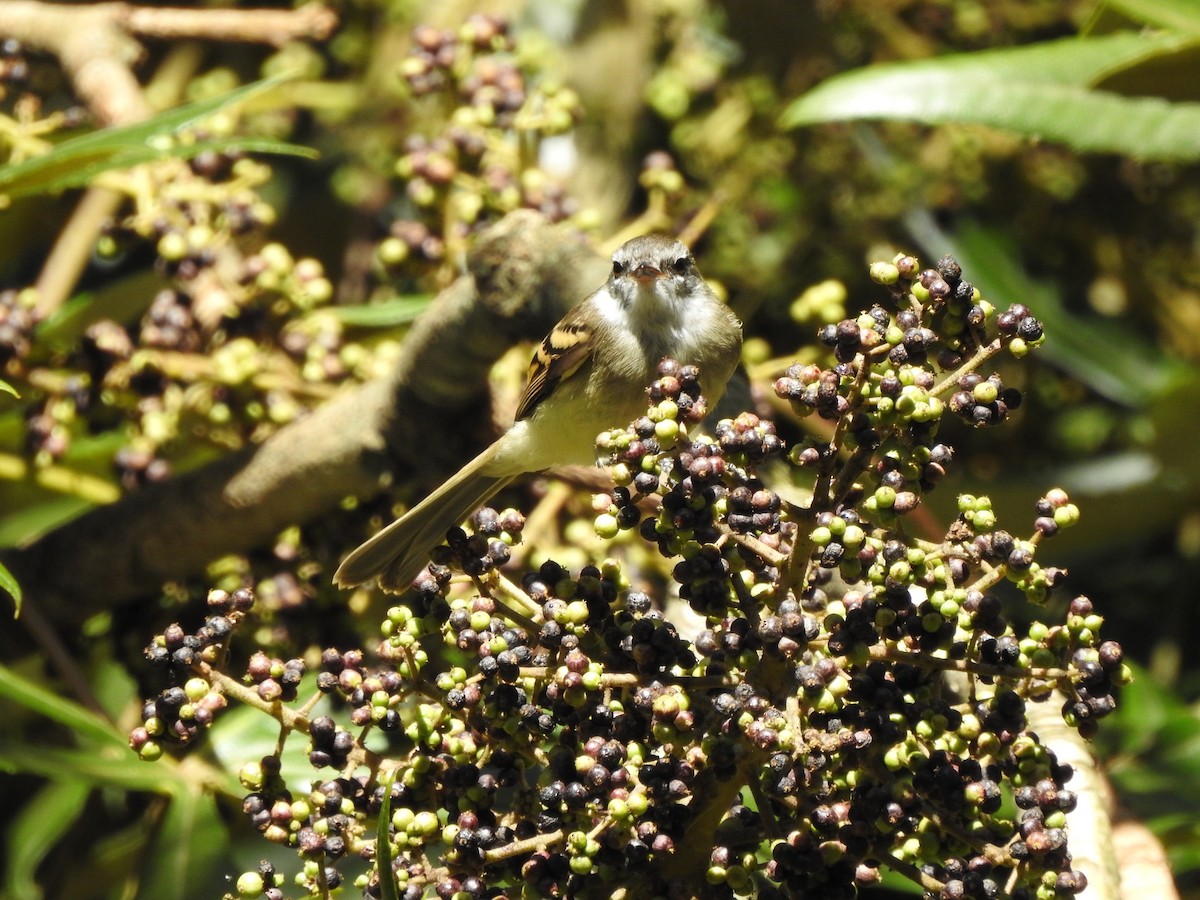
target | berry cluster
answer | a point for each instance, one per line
(192, 359)
(464, 172)
(436, 53)
(179, 713)
(488, 546)
(16, 327)
(563, 732)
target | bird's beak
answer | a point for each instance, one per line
(645, 273)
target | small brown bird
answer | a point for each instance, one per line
(589, 374)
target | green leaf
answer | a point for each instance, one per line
(30, 521)
(1099, 353)
(120, 299)
(118, 770)
(42, 701)
(10, 586)
(388, 889)
(7, 388)
(1169, 15)
(387, 314)
(1045, 91)
(78, 160)
(190, 850)
(44, 819)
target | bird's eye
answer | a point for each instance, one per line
(618, 267)
(681, 265)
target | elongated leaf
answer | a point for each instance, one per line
(388, 889)
(1170, 15)
(189, 854)
(7, 388)
(121, 299)
(38, 699)
(28, 522)
(10, 586)
(1046, 91)
(1097, 352)
(121, 770)
(45, 818)
(76, 161)
(388, 314)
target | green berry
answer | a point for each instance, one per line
(884, 273)
(250, 884)
(607, 526)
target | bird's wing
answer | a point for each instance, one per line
(567, 347)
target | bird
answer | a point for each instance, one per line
(589, 374)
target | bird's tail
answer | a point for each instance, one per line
(398, 552)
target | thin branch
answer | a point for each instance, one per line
(252, 26)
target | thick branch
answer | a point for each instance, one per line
(522, 275)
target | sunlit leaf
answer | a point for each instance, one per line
(26, 522)
(388, 889)
(1099, 353)
(78, 160)
(387, 314)
(241, 734)
(9, 585)
(1045, 91)
(115, 769)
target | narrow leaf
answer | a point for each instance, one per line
(7, 388)
(1169, 15)
(388, 889)
(117, 770)
(43, 820)
(10, 586)
(38, 699)
(189, 851)
(1097, 352)
(1045, 91)
(387, 314)
(77, 160)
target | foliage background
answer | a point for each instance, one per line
(1102, 245)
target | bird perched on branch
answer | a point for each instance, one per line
(590, 373)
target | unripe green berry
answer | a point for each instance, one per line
(195, 688)
(250, 884)
(884, 273)
(667, 431)
(1066, 516)
(607, 526)
(666, 409)
(985, 392)
(581, 865)
(150, 751)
